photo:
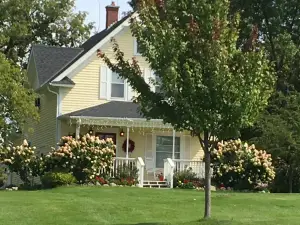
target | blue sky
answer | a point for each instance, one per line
(94, 6)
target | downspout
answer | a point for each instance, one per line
(57, 112)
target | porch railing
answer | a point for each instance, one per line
(196, 166)
(131, 163)
(169, 171)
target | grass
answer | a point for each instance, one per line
(122, 206)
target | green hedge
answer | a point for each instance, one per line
(56, 179)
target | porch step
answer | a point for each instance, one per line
(155, 184)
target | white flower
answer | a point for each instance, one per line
(25, 143)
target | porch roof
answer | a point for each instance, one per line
(114, 113)
(115, 109)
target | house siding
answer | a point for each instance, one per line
(86, 92)
(43, 134)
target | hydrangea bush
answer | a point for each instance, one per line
(240, 166)
(21, 160)
(85, 157)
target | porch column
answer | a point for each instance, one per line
(77, 130)
(173, 155)
(127, 144)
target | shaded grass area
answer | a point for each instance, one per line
(124, 206)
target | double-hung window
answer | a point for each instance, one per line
(117, 86)
(164, 149)
(113, 87)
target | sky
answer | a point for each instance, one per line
(97, 12)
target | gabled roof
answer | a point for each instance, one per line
(92, 41)
(49, 60)
(113, 109)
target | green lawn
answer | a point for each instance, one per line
(94, 205)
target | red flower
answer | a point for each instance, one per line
(186, 181)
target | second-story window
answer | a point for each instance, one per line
(117, 86)
(137, 50)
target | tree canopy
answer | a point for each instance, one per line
(50, 22)
(207, 83)
(279, 25)
(23, 23)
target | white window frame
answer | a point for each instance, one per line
(135, 47)
(108, 83)
(153, 76)
(124, 98)
(154, 143)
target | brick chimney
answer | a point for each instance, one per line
(112, 14)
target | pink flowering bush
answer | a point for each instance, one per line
(21, 160)
(85, 157)
(240, 166)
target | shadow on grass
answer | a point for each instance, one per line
(199, 222)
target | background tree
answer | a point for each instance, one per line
(16, 101)
(50, 22)
(278, 131)
(23, 23)
(279, 25)
(207, 85)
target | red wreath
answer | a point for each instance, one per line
(131, 145)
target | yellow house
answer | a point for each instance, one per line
(80, 94)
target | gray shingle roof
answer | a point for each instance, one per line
(114, 109)
(66, 80)
(50, 60)
(92, 41)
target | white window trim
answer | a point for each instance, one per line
(182, 143)
(135, 47)
(110, 83)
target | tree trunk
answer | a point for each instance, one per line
(290, 178)
(207, 181)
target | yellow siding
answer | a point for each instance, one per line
(44, 132)
(86, 91)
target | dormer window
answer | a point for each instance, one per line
(137, 50)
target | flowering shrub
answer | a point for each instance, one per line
(237, 165)
(187, 179)
(85, 157)
(21, 160)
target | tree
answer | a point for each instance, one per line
(207, 84)
(23, 23)
(16, 101)
(50, 22)
(279, 132)
(279, 23)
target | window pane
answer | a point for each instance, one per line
(115, 78)
(138, 51)
(117, 90)
(164, 149)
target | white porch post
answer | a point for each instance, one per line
(77, 134)
(173, 147)
(127, 144)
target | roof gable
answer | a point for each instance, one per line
(91, 46)
(50, 60)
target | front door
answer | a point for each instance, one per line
(103, 136)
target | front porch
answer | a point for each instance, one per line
(144, 143)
